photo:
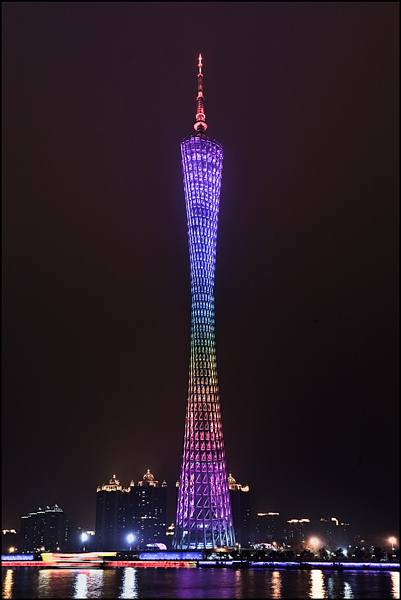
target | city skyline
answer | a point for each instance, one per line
(96, 301)
(328, 532)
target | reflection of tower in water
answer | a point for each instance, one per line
(203, 508)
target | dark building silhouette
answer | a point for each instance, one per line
(44, 530)
(344, 536)
(75, 542)
(109, 515)
(269, 529)
(146, 518)
(74, 532)
(170, 529)
(299, 532)
(333, 534)
(139, 510)
(240, 511)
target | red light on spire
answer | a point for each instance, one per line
(200, 125)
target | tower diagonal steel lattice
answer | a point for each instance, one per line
(203, 510)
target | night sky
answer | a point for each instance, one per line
(96, 297)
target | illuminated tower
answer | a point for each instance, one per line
(203, 508)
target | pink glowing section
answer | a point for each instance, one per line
(203, 510)
(200, 125)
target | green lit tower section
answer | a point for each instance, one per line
(203, 508)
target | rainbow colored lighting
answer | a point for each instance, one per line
(203, 509)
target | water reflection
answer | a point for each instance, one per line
(238, 584)
(130, 583)
(70, 583)
(95, 583)
(89, 584)
(331, 588)
(336, 586)
(395, 581)
(81, 586)
(43, 582)
(8, 584)
(317, 584)
(197, 583)
(206, 583)
(276, 584)
(348, 593)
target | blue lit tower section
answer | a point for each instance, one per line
(203, 507)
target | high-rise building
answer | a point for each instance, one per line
(44, 530)
(146, 518)
(333, 534)
(139, 510)
(268, 528)
(110, 515)
(299, 531)
(344, 537)
(240, 510)
(203, 511)
(75, 541)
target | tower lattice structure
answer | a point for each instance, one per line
(203, 510)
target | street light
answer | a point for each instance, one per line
(130, 538)
(393, 542)
(314, 542)
(84, 537)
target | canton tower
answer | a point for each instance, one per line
(203, 509)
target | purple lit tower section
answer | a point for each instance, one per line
(203, 510)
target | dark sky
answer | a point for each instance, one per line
(96, 294)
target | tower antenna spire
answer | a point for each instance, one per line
(200, 125)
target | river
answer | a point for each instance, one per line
(128, 582)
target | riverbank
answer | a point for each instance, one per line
(338, 566)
